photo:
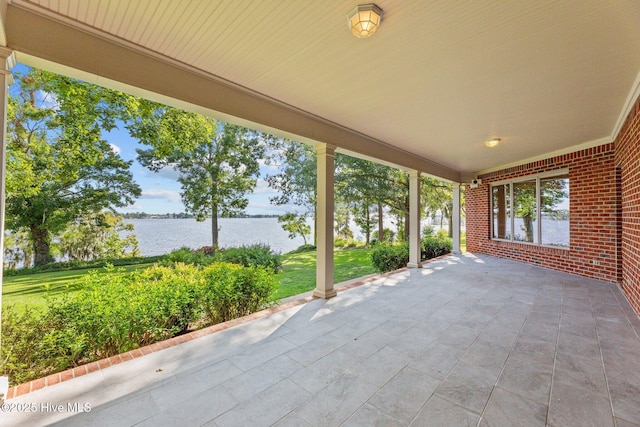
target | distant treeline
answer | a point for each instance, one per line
(181, 215)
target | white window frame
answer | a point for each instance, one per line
(537, 177)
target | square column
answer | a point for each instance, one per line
(325, 208)
(7, 61)
(456, 218)
(415, 258)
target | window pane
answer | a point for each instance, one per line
(501, 212)
(554, 204)
(524, 201)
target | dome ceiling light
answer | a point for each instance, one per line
(364, 20)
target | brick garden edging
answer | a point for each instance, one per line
(79, 371)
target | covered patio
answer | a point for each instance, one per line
(467, 340)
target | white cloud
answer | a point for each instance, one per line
(172, 196)
(115, 148)
(48, 100)
(262, 187)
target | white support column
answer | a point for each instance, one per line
(456, 218)
(415, 260)
(8, 61)
(325, 208)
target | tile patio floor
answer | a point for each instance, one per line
(468, 340)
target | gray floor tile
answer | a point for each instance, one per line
(437, 360)
(528, 378)
(252, 382)
(583, 373)
(439, 412)
(468, 386)
(403, 396)
(573, 406)
(338, 401)
(267, 407)
(382, 366)
(508, 409)
(625, 397)
(370, 416)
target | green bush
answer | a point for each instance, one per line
(250, 256)
(435, 246)
(387, 257)
(187, 256)
(388, 235)
(79, 265)
(117, 313)
(114, 313)
(230, 290)
(303, 248)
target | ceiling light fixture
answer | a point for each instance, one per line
(492, 142)
(364, 20)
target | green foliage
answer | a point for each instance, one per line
(435, 246)
(389, 257)
(295, 225)
(250, 256)
(302, 249)
(113, 313)
(229, 291)
(97, 236)
(186, 255)
(217, 162)
(80, 265)
(58, 165)
(388, 235)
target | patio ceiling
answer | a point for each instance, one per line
(435, 82)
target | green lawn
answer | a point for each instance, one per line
(31, 289)
(299, 270)
(298, 276)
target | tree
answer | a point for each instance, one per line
(296, 179)
(97, 235)
(58, 166)
(217, 162)
(296, 225)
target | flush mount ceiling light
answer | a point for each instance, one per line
(492, 142)
(364, 20)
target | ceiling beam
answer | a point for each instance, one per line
(84, 49)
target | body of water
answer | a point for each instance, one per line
(161, 236)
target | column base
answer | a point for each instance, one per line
(414, 265)
(324, 293)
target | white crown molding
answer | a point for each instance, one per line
(634, 93)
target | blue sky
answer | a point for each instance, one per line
(161, 191)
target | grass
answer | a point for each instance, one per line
(31, 289)
(298, 276)
(299, 270)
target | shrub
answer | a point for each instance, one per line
(187, 256)
(435, 246)
(117, 313)
(387, 257)
(250, 256)
(303, 248)
(229, 290)
(387, 235)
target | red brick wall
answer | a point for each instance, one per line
(593, 215)
(628, 161)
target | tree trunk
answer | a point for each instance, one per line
(380, 223)
(368, 228)
(214, 227)
(41, 239)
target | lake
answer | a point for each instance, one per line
(160, 236)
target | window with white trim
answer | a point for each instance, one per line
(532, 209)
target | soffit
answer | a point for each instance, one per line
(437, 79)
